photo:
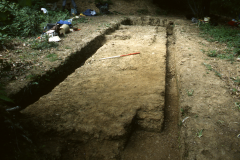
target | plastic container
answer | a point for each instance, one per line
(64, 29)
(206, 19)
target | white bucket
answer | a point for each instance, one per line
(206, 19)
(64, 29)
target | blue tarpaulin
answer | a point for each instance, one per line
(87, 12)
(64, 22)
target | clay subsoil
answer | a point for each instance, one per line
(163, 103)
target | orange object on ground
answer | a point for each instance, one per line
(232, 23)
(121, 55)
(130, 54)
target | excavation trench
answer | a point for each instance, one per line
(95, 110)
(52, 78)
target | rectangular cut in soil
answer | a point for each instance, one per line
(104, 99)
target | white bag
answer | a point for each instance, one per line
(93, 13)
(44, 10)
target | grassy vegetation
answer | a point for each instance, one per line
(212, 53)
(80, 20)
(18, 37)
(190, 92)
(199, 133)
(237, 104)
(237, 81)
(29, 21)
(52, 57)
(40, 45)
(218, 74)
(209, 67)
(222, 34)
(182, 111)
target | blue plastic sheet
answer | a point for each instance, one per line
(64, 22)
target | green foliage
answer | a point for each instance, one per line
(202, 50)
(31, 77)
(223, 34)
(4, 38)
(212, 53)
(38, 44)
(200, 133)
(80, 20)
(5, 10)
(25, 2)
(237, 81)
(182, 111)
(234, 90)
(54, 16)
(229, 57)
(237, 104)
(218, 74)
(220, 33)
(208, 66)
(190, 92)
(52, 57)
(26, 22)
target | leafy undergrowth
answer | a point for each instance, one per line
(21, 52)
(222, 34)
(24, 56)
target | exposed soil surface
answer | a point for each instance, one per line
(102, 101)
(163, 145)
(211, 107)
(171, 101)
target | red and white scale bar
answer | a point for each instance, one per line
(120, 55)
